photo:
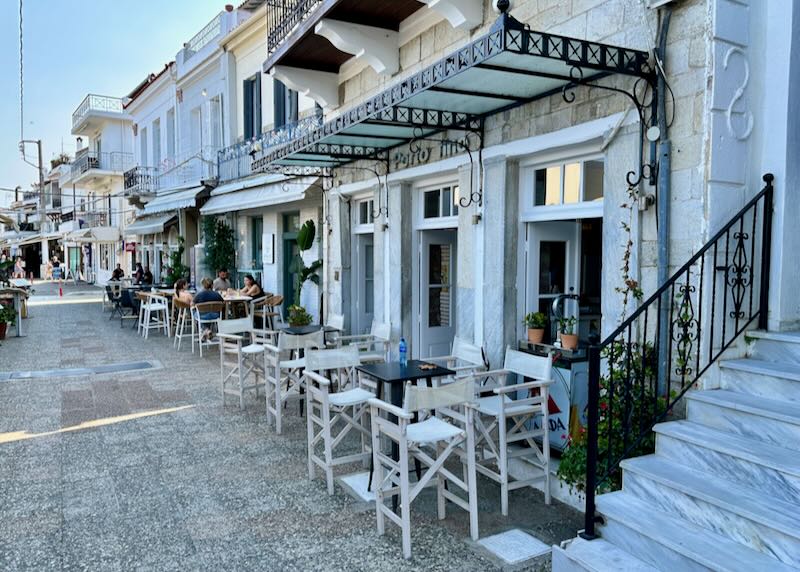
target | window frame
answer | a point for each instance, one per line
(438, 222)
(529, 212)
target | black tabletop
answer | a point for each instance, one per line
(309, 329)
(393, 372)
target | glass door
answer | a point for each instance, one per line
(437, 273)
(291, 224)
(365, 283)
(552, 266)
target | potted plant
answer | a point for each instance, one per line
(7, 316)
(536, 322)
(298, 316)
(566, 332)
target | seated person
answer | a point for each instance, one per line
(148, 276)
(118, 273)
(207, 294)
(138, 276)
(251, 287)
(222, 283)
(181, 293)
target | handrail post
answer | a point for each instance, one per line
(591, 441)
(766, 253)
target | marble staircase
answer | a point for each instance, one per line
(722, 490)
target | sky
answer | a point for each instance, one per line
(76, 47)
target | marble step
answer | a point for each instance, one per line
(737, 512)
(775, 346)
(774, 471)
(774, 380)
(596, 556)
(767, 420)
(672, 544)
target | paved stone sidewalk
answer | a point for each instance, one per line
(147, 470)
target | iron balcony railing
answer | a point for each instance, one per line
(640, 372)
(202, 38)
(236, 161)
(140, 180)
(283, 16)
(93, 102)
(90, 219)
(114, 161)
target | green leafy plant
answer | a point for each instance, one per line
(535, 320)
(298, 316)
(628, 404)
(566, 325)
(5, 271)
(7, 314)
(303, 273)
(220, 244)
(177, 268)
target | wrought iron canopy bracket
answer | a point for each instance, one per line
(643, 95)
(475, 129)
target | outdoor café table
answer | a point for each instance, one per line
(396, 376)
(231, 299)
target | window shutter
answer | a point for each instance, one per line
(248, 108)
(257, 105)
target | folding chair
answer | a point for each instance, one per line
(505, 416)
(374, 346)
(330, 416)
(284, 370)
(465, 358)
(126, 301)
(241, 358)
(444, 435)
(203, 309)
(335, 321)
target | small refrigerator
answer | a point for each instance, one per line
(569, 393)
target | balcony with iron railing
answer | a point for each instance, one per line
(114, 162)
(188, 169)
(283, 16)
(99, 105)
(202, 38)
(235, 161)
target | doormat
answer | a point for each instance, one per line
(81, 371)
(514, 546)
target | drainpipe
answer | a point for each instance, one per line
(663, 206)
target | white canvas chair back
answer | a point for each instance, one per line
(418, 398)
(340, 358)
(467, 352)
(292, 342)
(336, 321)
(237, 326)
(527, 365)
(381, 330)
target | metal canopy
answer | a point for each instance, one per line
(509, 66)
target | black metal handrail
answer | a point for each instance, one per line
(640, 372)
(283, 16)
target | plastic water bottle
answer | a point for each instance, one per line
(403, 352)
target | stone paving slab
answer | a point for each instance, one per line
(148, 470)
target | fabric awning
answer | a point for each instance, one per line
(507, 67)
(247, 183)
(173, 200)
(8, 221)
(261, 196)
(149, 224)
(23, 239)
(94, 234)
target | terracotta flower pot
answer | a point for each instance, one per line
(568, 341)
(535, 335)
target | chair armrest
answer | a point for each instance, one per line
(231, 336)
(389, 408)
(317, 377)
(491, 373)
(357, 337)
(519, 386)
(271, 348)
